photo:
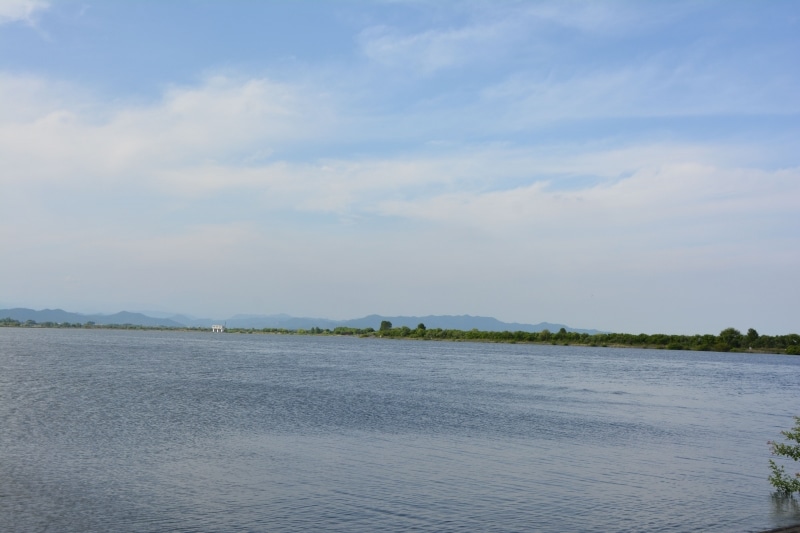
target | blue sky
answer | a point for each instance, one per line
(626, 166)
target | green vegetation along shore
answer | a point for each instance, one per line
(728, 340)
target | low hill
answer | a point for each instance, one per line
(283, 321)
(59, 316)
(462, 322)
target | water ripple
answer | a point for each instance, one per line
(167, 431)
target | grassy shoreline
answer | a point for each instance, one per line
(729, 340)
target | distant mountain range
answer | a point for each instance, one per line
(462, 322)
(60, 316)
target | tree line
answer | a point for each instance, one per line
(11, 322)
(728, 340)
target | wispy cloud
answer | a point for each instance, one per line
(533, 152)
(431, 50)
(653, 89)
(488, 32)
(188, 151)
(219, 120)
(21, 10)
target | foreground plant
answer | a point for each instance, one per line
(780, 480)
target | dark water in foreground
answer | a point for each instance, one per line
(165, 431)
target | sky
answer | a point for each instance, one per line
(625, 166)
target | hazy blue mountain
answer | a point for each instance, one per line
(263, 321)
(284, 321)
(61, 316)
(462, 322)
(193, 322)
(125, 317)
(45, 315)
(308, 323)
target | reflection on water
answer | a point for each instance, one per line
(785, 509)
(168, 431)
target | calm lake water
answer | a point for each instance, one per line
(170, 431)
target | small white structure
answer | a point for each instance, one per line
(216, 328)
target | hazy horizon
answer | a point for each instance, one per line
(615, 165)
(343, 320)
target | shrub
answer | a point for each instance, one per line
(780, 480)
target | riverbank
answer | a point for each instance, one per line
(729, 340)
(788, 529)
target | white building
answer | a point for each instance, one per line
(216, 328)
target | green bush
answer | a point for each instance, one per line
(780, 480)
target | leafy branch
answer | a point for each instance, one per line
(785, 483)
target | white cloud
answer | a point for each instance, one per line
(171, 193)
(20, 10)
(663, 207)
(47, 138)
(194, 144)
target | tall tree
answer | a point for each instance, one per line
(731, 337)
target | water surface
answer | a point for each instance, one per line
(171, 431)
